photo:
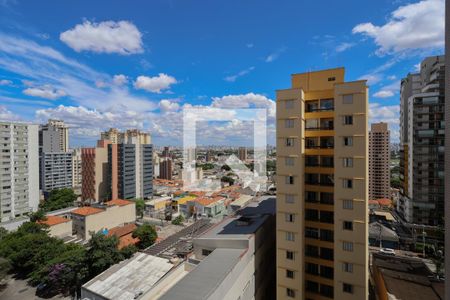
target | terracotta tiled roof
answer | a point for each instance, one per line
(87, 210)
(127, 240)
(385, 202)
(54, 220)
(118, 202)
(207, 201)
(122, 230)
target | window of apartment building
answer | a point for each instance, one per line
(290, 293)
(311, 197)
(326, 216)
(311, 286)
(289, 123)
(348, 141)
(347, 288)
(326, 253)
(289, 104)
(347, 204)
(326, 290)
(348, 120)
(326, 272)
(290, 236)
(290, 274)
(347, 267)
(348, 162)
(347, 246)
(311, 251)
(289, 198)
(311, 214)
(289, 179)
(347, 99)
(289, 217)
(311, 232)
(347, 183)
(348, 225)
(289, 161)
(326, 235)
(290, 255)
(289, 142)
(311, 268)
(326, 198)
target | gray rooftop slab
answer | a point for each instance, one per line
(201, 282)
(129, 278)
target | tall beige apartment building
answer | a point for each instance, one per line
(117, 137)
(379, 161)
(322, 187)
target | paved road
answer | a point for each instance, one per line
(19, 290)
(190, 231)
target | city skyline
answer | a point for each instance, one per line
(170, 55)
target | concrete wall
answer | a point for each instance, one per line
(61, 230)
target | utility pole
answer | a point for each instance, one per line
(379, 237)
(423, 239)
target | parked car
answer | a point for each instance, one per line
(387, 251)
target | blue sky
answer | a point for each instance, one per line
(99, 64)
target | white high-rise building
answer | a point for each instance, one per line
(19, 169)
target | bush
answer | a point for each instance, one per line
(178, 220)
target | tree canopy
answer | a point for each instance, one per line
(58, 199)
(140, 206)
(58, 267)
(146, 234)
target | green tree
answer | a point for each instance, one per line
(65, 273)
(102, 253)
(396, 183)
(146, 234)
(38, 216)
(140, 206)
(178, 220)
(3, 233)
(58, 199)
(227, 179)
(226, 168)
(128, 251)
(5, 267)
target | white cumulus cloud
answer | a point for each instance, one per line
(168, 105)
(388, 90)
(121, 37)
(5, 82)
(154, 84)
(120, 79)
(413, 26)
(6, 115)
(383, 94)
(45, 91)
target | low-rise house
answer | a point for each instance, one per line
(58, 226)
(124, 234)
(105, 216)
(157, 204)
(203, 207)
(240, 202)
